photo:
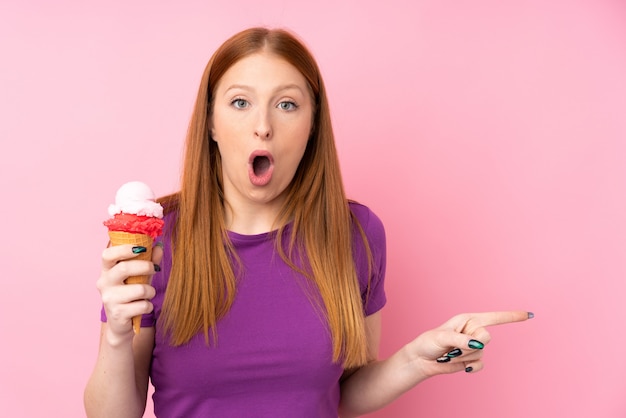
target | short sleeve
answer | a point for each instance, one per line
(371, 276)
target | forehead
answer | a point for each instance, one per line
(262, 69)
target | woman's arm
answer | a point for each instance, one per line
(364, 390)
(454, 346)
(118, 386)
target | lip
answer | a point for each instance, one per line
(266, 177)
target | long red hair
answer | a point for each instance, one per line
(202, 284)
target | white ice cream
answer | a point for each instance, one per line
(136, 198)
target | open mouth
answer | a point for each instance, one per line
(260, 168)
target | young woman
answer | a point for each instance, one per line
(268, 285)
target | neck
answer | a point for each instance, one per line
(251, 219)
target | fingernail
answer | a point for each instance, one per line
(476, 345)
(443, 359)
(531, 315)
(158, 244)
(454, 353)
(139, 250)
(157, 267)
(469, 369)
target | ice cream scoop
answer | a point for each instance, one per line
(136, 198)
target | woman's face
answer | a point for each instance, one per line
(261, 122)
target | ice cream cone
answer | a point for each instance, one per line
(120, 238)
(135, 218)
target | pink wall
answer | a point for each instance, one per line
(490, 137)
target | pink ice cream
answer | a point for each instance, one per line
(135, 211)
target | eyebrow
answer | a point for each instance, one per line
(277, 90)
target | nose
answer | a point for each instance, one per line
(263, 128)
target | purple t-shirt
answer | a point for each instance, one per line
(273, 356)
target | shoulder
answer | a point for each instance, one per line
(368, 220)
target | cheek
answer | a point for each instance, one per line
(228, 136)
(224, 126)
(302, 132)
(298, 149)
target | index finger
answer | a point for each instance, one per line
(487, 319)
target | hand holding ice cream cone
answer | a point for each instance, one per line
(135, 219)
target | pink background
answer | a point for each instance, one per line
(489, 135)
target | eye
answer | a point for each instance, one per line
(288, 106)
(239, 103)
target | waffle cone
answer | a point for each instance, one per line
(121, 238)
